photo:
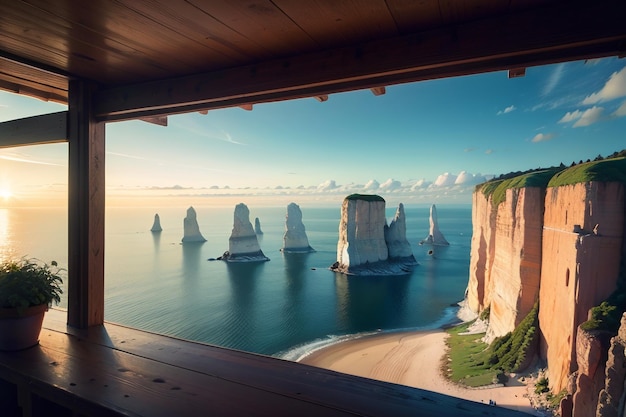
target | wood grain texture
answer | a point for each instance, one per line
(163, 372)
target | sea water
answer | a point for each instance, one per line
(286, 307)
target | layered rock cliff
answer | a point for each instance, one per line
(558, 237)
(582, 245)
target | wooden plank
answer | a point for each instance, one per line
(484, 45)
(90, 377)
(415, 16)
(85, 209)
(331, 23)
(117, 32)
(35, 130)
(360, 396)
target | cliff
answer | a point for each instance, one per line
(582, 245)
(556, 235)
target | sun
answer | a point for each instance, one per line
(5, 194)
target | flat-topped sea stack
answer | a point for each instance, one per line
(435, 237)
(362, 248)
(295, 239)
(191, 229)
(243, 245)
(156, 226)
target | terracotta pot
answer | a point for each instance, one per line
(19, 329)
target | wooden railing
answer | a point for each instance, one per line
(112, 370)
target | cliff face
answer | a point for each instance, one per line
(563, 245)
(516, 259)
(478, 295)
(579, 267)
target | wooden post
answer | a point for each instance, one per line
(86, 209)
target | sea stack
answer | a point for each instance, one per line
(191, 229)
(395, 237)
(295, 239)
(156, 226)
(435, 237)
(362, 248)
(257, 226)
(243, 245)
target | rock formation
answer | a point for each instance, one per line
(516, 258)
(295, 238)
(362, 249)
(257, 226)
(578, 270)
(395, 238)
(435, 237)
(243, 245)
(191, 229)
(156, 226)
(543, 233)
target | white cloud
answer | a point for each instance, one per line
(621, 110)
(590, 116)
(543, 137)
(489, 151)
(584, 118)
(371, 185)
(614, 88)
(327, 185)
(570, 116)
(553, 80)
(391, 185)
(507, 110)
(467, 178)
(445, 180)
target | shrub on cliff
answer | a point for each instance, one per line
(513, 351)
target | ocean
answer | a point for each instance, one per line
(286, 307)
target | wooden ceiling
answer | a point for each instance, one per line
(154, 57)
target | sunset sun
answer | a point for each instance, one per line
(5, 194)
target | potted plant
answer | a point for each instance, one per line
(27, 289)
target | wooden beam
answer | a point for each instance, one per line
(86, 209)
(378, 91)
(155, 120)
(520, 39)
(35, 130)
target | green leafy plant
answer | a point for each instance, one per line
(28, 282)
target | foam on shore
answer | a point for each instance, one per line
(448, 318)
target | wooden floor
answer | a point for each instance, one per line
(113, 370)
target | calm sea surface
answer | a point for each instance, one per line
(284, 307)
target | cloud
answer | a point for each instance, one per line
(614, 88)
(553, 80)
(391, 185)
(507, 110)
(371, 185)
(489, 151)
(444, 180)
(585, 118)
(621, 110)
(327, 185)
(467, 178)
(543, 137)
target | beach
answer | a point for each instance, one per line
(413, 359)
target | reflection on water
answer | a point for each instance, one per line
(155, 283)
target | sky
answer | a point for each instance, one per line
(420, 143)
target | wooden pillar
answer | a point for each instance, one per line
(86, 209)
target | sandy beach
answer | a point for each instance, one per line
(412, 359)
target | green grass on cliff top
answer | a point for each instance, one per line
(366, 197)
(608, 170)
(497, 189)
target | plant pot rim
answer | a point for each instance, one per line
(14, 312)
